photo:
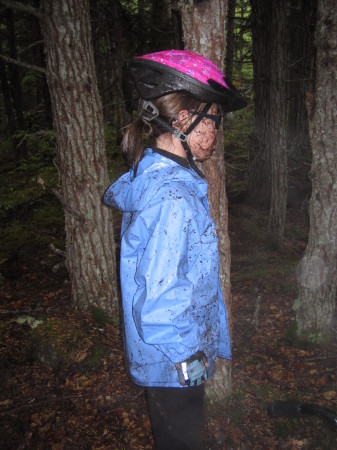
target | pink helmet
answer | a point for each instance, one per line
(161, 73)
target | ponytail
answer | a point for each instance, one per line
(133, 143)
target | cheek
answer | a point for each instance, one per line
(205, 136)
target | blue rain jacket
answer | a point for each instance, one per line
(169, 269)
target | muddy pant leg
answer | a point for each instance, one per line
(176, 417)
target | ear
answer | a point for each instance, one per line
(182, 120)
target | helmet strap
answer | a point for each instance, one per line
(188, 131)
(199, 118)
(150, 113)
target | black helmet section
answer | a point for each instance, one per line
(152, 80)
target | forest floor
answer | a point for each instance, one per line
(63, 381)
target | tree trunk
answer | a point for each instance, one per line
(301, 57)
(6, 97)
(204, 32)
(317, 272)
(259, 186)
(43, 97)
(230, 38)
(77, 115)
(15, 83)
(118, 43)
(268, 158)
(278, 120)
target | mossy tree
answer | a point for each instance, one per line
(317, 272)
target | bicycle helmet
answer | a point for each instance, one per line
(157, 74)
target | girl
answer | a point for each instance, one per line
(175, 322)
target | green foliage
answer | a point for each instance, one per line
(111, 143)
(30, 218)
(116, 164)
(19, 182)
(243, 65)
(239, 128)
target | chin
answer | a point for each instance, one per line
(205, 155)
(203, 158)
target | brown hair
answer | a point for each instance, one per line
(141, 133)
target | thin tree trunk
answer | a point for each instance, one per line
(317, 272)
(259, 186)
(6, 97)
(78, 122)
(301, 57)
(278, 118)
(15, 83)
(268, 157)
(204, 32)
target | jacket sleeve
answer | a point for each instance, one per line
(163, 302)
(224, 349)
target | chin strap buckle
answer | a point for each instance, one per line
(180, 135)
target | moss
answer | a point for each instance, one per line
(100, 317)
(57, 343)
(97, 354)
(290, 335)
(284, 428)
(304, 339)
(240, 394)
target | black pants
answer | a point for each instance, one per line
(176, 417)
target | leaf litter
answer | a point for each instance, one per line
(64, 383)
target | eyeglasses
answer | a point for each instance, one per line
(216, 118)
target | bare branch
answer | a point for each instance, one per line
(18, 6)
(57, 250)
(22, 64)
(34, 44)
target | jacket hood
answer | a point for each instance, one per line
(130, 194)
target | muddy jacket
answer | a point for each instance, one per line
(172, 302)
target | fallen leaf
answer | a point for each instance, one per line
(330, 395)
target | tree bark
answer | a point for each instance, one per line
(230, 38)
(268, 157)
(204, 32)
(317, 272)
(15, 84)
(278, 123)
(300, 74)
(78, 122)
